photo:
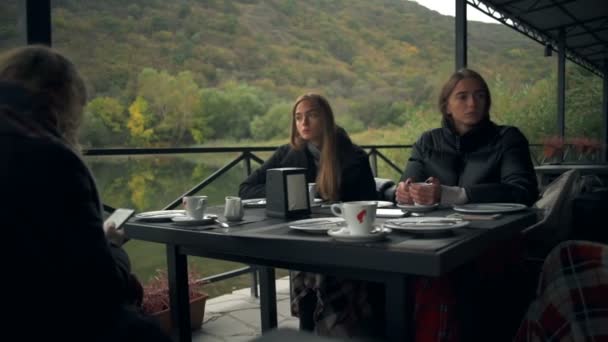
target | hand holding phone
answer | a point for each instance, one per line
(112, 225)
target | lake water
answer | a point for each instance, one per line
(152, 182)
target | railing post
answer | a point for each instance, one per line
(247, 158)
(374, 161)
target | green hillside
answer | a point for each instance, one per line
(166, 73)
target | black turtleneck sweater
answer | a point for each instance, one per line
(492, 163)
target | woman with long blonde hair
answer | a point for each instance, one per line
(342, 173)
(339, 167)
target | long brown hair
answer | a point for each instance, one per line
(328, 178)
(449, 86)
(51, 76)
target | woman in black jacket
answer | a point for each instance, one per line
(339, 167)
(470, 158)
(342, 173)
(56, 255)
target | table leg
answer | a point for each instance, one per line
(177, 272)
(268, 298)
(399, 309)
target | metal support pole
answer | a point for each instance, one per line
(461, 34)
(561, 85)
(605, 112)
(35, 21)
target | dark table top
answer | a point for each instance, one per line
(269, 241)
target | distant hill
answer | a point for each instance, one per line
(370, 57)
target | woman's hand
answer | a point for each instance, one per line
(426, 193)
(115, 236)
(402, 195)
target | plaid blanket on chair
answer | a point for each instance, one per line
(572, 303)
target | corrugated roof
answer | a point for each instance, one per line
(585, 24)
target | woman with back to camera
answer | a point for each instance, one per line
(470, 159)
(59, 265)
(342, 172)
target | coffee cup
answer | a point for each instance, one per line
(233, 210)
(359, 216)
(420, 184)
(195, 206)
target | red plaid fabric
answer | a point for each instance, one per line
(572, 302)
(434, 315)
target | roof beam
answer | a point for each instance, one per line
(576, 23)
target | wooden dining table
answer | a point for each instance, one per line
(269, 243)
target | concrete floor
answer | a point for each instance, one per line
(236, 316)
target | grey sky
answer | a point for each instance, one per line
(446, 7)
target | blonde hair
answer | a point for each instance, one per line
(51, 76)
(328, 177)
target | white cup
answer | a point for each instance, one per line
(233, 210)
(421, 184)
(195, 206)
(312, 192)
(359, 216)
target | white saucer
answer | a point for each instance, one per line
(318, 225)
(385, 204)
(418, 207)
(425, 224)
(489, 208)
(343, 234)
(189, 221)
(390, 213)
(261, 202)
(159, 215)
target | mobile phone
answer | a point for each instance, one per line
(120, 216)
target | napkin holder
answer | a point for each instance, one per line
(287, 193)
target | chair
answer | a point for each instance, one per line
(385, 188)
(556, 223)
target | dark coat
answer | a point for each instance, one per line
(56, 258)
(492, 163)
(357, 180)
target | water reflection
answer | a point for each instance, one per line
(152, 182)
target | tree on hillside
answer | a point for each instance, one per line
(172, 104)
(104, 123)
(231, 110)
(276, 123)
(139, 122)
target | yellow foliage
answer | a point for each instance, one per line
(137, 120)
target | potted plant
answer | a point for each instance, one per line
(553, 149)
(156, 299)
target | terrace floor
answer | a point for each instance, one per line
(236, 316)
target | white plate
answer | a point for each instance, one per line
(318, 225)
(160, 215)
(390, 213)
(343, 234)
(385, 204)
(261, 202)
(489, 208)
(425, 224)
(189, 221)
(418, 207)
